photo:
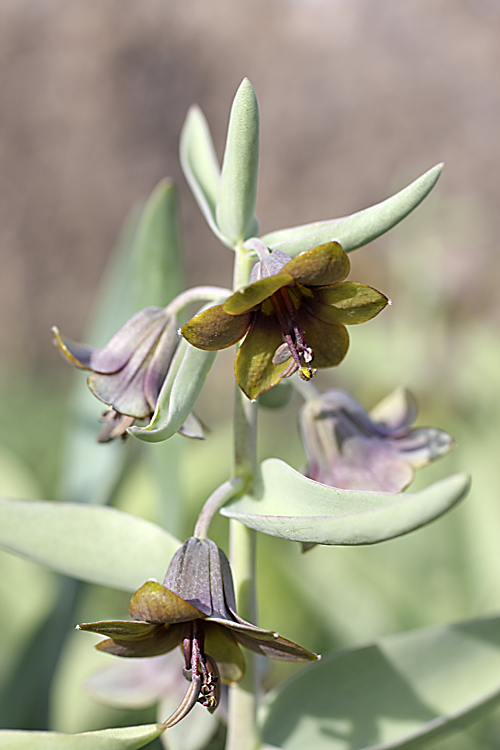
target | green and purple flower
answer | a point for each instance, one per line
(292, 317)
(195, 609)
(127, 374)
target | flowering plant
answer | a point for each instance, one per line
(286, 313)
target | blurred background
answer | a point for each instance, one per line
(357, 99)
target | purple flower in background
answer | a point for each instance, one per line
(349, 448)
(128, 373)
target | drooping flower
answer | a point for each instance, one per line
(194, 608)
(127, 373)
(293, 316)
(350, 448)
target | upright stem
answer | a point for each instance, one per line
(242, 731)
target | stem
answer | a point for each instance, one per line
(217, 499)
(242, 731)
(196, 294)
(308, 391)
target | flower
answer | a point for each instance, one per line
(194, 608)
(351, 449)
(293, 313)
(127, 373)
(138, 683)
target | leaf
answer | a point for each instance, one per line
(178, 395)
(157, 272)
(288, 505)
(90, 542)
(359, 228)
(397, 693)
(123, 738)
(238, 183)
(200, 166)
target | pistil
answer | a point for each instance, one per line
(293, 335)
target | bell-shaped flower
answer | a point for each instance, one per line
(352, 449)
(293, 316)
(127, 374)
(194, 608)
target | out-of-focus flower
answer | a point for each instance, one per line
(194, 608)
(127, 373)
(138, 683)
(351, 449)
(293, 316)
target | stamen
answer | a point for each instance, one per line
(293, 335)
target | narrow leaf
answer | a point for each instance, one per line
(93, 543)
(123, 738)
(179, 393)
(359, 228)
(157, 272)
(238, 183)
(200, 166)
(397, 693)
(291, 506)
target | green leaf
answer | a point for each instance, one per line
(157, 271)
(93, 543)
(288, 505)
(397, 693)
(359, 228)
(123, 738)
(178, 395)
(200, 166)
(238, 183)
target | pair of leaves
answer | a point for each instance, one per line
(227, 199)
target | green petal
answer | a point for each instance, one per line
(163, 639)
(347, 303)
(155, 603)
(324, 264)
(222, 646)
(245, 299)
(328, 341)
(253, 366)
(214, 329)
(271, 645)
(122, 629)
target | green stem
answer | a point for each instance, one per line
(217, 499)
(242, 733)
(197, 294)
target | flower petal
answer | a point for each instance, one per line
(160, 362)
(254, 294)
(271, 644)
(123, 629)
(329, 342)
(253, 366)
(214, 329)
(324, 264)
(163, 639)
(422, 445)
(396, 412)
(155, 603)
(222, 646)
(347, 303)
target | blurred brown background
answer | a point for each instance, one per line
(357, 99)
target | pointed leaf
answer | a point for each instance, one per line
(359, 228)
(123, 738)
(397, 693)
(200, 166)
(93, 543)
(238, 183)
(181, 388)
(291, 506)
(157, 271)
